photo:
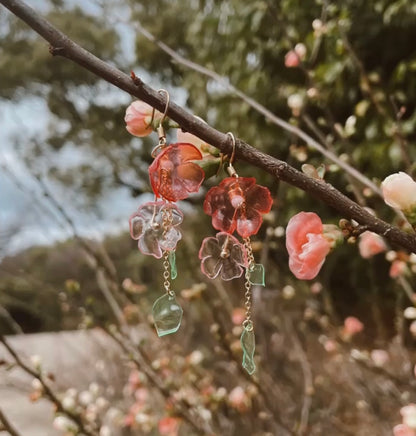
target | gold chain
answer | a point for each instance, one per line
(166, 223)
(248, 323)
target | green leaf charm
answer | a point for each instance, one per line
(167, 314)
(256, 271)
(172, 261)
(248, 344)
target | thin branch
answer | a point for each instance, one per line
(64, 46)
(6, 425)
(5, 314)
(307, 375)
(47, 390)
(224, 81)
(182, 408)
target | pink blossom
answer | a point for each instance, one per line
(399, 191)
(238, 399)
(292, 59)
(379, 357)
(371, 244)
(352, 326)
(403, 430)
(139, 118)
(398, 267)
(306, 245)
(412, 328)
(169, 426)
(200, 144)
(238, 315)
(409, 415)
(330, 346)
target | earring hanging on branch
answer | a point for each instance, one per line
(173, 176)
(236, 205)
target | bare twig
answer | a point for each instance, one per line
(47, 390)
(307, 376)
(64, 46)
(4, 313)
(6, 425)
(141, 362)
(225, 83)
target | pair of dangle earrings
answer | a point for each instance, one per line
(236, 205)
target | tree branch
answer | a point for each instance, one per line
(224, 81)
(47, 391)
(6, 425)
(64, 46)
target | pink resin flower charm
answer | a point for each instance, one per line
(237, 203)
(173, 174)
(146, 226)
(306, 245)
(222, 255)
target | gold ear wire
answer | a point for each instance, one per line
(231, 171)
(167, 104)
(160, 129)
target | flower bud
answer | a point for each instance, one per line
(410, 312)
(139, 120)
(409, 415)
(371, 244)
(399, 191)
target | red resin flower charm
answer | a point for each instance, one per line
(237, 203)
(173, 175)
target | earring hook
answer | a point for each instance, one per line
(160, 129)
(167, 104)
(231, 171)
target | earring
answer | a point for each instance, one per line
(173, 176)
(236, 205)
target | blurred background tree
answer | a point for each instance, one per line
(352, 89)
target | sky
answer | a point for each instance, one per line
(21, 203)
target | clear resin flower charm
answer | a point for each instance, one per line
(167, 314)
(222, 255)
(154, 226)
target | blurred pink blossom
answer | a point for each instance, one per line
(371, 244)
(291, 59)
(330, 345)
(306, 245)
(169, 426)
(238, 315)
(403, 430)
(398, 267)
(352, 326)
(409, 415)
(379, 357)
(200, 144)
(238, 399)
